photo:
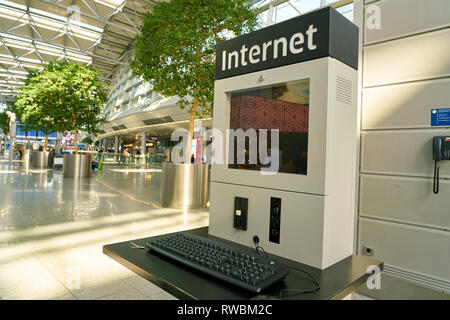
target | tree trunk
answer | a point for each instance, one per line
(75, 140)
(187, 156)
(46, 141)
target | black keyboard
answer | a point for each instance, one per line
(243, 268)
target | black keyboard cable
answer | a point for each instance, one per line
(258, 247)
(289, 292)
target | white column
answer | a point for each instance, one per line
(116, 144)
(58, 143)
(270, 15)
(143, 144)
(12, 134)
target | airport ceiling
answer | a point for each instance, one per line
(97, 32)
(33, 32)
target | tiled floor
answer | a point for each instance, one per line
(52, 231)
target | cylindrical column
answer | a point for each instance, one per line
(12, 134)
(143, 144)
(58, 143)
(104, 145)
(116, 144)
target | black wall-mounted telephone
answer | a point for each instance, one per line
(441, 151)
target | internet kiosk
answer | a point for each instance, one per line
(296, 82)
(293, 83)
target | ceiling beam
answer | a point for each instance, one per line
(90, 16)
(75, 51)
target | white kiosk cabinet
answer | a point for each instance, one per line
(300, 78)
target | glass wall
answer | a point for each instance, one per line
(275, 11)
(127, 93)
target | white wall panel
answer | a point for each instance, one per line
(405, 17)
(405, 73)
(403, 199)
(405, 153)
(419, 57)
(405, 105)
(301, 230)
(425, 251)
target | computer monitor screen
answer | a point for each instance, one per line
(283, 106)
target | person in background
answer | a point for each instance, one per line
(20, 151)
(125, 155)
(51, 156)
(192, 158)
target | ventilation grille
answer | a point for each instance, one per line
(158, 120)
(121, 127)
(343, 90)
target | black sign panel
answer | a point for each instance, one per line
(315, 35)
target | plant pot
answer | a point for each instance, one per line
(41, 160)
(77, 166)
(26, 159)
(184, 186)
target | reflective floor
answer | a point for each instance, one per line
(52, 231)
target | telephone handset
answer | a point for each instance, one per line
(441, 151)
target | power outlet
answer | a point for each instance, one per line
(368, 251)
(275, 220)
(240, 213)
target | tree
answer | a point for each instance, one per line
(35, 105)
(175, 49)
(71, 96)
(82, 98)
(4, 122)
(88, 140)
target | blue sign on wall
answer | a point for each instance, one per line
(21, 131)
(440, 117)
(31, 134)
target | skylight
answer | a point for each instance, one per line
(110, 3)
(44, 48)
(49, 21)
